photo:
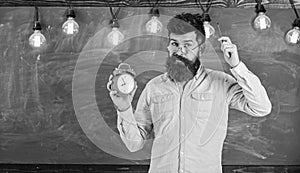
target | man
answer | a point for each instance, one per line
(187, 107)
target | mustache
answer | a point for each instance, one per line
(192, 66)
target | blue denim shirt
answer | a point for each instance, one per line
(190, 124)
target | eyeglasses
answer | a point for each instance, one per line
(188, 47)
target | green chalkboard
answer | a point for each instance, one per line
(40, 121)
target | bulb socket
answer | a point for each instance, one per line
(206, 17)
(37, 25)
(154, 12)
(114, 23)
(71, 13)
(259, 8)
(296, 23)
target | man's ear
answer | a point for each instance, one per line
(168, 48)
(202, 47)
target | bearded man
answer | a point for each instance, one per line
(187, 107)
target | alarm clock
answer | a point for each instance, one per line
(123, 79)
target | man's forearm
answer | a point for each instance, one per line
(129, 131)
(254, 99)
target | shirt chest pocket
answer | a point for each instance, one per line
(201, 105)
(162, 104)
(162, 112)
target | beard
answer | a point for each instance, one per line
(181, 69)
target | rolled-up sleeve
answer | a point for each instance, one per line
(246, 93)
(135, 128)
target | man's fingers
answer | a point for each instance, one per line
(108, 85)
(224, 46)
(224, 39)
(110, 77)
(113, 93)
(228, 47)
(227, 52)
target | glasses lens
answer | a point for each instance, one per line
(185, 48)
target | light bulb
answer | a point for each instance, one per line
(37, 39)
(262, 22)
(154, 25)
(293, 36)
(209, 30)
(70, 27)
(115, 36)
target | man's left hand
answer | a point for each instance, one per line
(230, 52)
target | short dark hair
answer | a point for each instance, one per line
(186, 22)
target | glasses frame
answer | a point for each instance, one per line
(186, 48)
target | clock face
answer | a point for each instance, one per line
(125, 83)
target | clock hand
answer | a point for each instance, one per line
(124, 83)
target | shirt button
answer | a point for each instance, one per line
(181, 170)
(181, 153)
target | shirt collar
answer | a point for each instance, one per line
(200, 72)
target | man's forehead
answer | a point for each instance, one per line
(190, 36)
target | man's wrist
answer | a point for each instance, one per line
(235, 65)
(122, 110)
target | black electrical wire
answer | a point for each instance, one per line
(154, 4)
(201, 6)
(69, 3)
(209, 5)
(36, 14)
(36, 23)
(293, 6)
(113, 14)
(258, 1)
(259, 7)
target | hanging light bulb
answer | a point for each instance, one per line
(70, 27)
(209, 30)
(115, 36)
(293, 35)
(154, 25)
(261, 21)
(37, 39)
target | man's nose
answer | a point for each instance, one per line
(181, 51)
